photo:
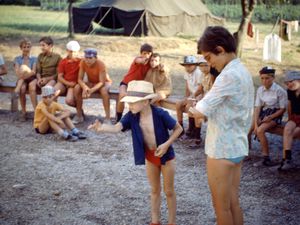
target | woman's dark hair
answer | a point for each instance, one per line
(47, 39)
(214, 37)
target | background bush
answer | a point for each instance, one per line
(262, 13)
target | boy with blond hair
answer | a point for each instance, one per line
(25, 69)
(137, 71)
(151, 143)
(50, 115)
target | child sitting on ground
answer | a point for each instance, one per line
(137, 71)
(193, 78)
(292, 128)
(50, 115)
(151, 143)
(158, 75)
(98, 80)
(25, 69)
(270, 105)
(46, 67)
(68, 69)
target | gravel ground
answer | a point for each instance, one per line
(45, 180)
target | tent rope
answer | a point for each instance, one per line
(94, 29)
(56, 20)
(138, 23)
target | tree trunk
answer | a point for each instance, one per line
(246, 18)
(70, 25)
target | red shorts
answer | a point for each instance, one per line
(296, 119)
(149, 155)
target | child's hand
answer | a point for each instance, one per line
(96, 126)
(161, 150)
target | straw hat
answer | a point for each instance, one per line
(47, 91)
(139, 90)
(73, 46)
(202, 59)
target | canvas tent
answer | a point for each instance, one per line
(145, 17)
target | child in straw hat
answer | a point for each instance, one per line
(151, 143)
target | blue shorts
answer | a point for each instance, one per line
(237, 159)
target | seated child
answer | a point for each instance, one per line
(50, 115)
(158, 75)
(137, 71)
(193, 92)
(46, 67)
(25, 69)
(3, 69)
(98, 80)
(206, 84)
(292, 128)
(68, 69)
(270, 105)
(151, 143)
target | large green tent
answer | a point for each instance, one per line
(145, 17)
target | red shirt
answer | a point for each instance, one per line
(69, 68)
(136, 72)
(94, 71)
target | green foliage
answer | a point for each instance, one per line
(262, 13)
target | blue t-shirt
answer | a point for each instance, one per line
(19, 60)
(162, 122)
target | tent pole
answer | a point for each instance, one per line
(138, 23)
(101, 20)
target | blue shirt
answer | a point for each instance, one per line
(162, 122)
(19, 60)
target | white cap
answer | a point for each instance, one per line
(47, 90)
(73, 46)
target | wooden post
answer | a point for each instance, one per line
(70, 27)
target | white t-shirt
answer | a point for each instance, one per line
(194, 79)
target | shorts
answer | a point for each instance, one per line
(236, 160)
(49, 131)
(149, 155)
(296, 118)
(269, 111)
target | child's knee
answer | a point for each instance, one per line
(169, 192)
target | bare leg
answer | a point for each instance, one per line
(224, 179)
(122, 93)
(106, 103)
(70, 98)
(180, 108)
(78, 98)
(69, 123)
(23, 98)
(153, 173)
(168, 172)
(32, 93)
(261, 134)
(19, 85)
(289, 132)
(51, 83)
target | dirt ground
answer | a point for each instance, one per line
(45, 180)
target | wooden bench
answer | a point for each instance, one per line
(9, 87)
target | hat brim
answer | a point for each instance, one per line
(132, 99)
(185, 64)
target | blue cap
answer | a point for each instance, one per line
(292, 75)
(90, 52)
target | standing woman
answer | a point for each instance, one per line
(228, 107)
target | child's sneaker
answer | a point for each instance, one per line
(286, 165)
(80, 135)
(71, 138)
